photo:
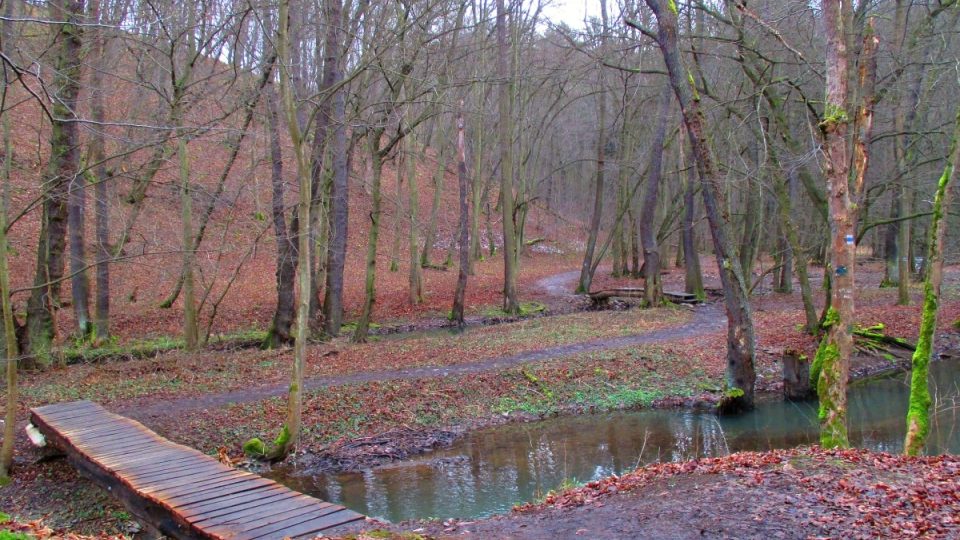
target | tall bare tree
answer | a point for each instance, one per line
(740, 373)
(63, 167)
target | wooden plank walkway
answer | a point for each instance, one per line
(177, 490)
(603, 296)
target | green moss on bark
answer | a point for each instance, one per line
(918, 411)
(831, 319)
(254, 448)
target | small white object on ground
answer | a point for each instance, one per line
(36, 437)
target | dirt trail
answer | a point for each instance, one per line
(707, 319)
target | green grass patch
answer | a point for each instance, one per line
(82, 352)
(527, 309)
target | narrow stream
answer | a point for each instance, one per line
(489, 471)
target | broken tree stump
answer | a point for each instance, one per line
(796, 376)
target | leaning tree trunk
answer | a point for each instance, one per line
(652, 287)
(64, 164)
(832, 363)
(740, 373)
(462, 182)
(919, 409)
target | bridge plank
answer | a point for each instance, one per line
(286, 503)
(179, 491)
(291, 528)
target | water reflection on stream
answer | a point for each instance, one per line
(490, 470)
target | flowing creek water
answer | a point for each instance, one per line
(488, 471)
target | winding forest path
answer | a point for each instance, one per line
(707, 319)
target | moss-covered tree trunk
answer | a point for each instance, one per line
(919, 408)
(833, 358)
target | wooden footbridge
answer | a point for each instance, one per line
(177, 490)
(603, 297)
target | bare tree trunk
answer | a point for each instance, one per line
(903, 252)
(586, 269)
(511, 304)
(462, 182)
(79, 281)
(337, 153)
(634, 242)
(64, 164)
(431, 234)
(235, 147)
(784, 191)
(919, 409)
(289, 436)
(398, 211)
(10, 351)
(751, 221)
(363, 324)
(652, 287)
(9, 344)
(285, 274)
(693, 275)
(415, 279)
(103, 179)
(476, 251)
(891, 244)
(190, 325)
(741, 376)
